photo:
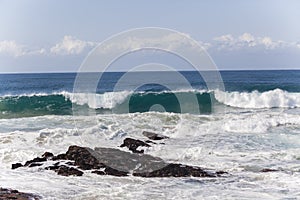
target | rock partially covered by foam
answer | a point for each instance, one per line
(177, 170)
(109, 161)
(154, 136)
(133, 145)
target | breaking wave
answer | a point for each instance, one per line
(63, 103)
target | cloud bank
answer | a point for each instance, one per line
(247, 40)
(70, 45)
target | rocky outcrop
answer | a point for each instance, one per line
(110, 161)
(15, 194)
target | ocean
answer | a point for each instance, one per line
(253, 125)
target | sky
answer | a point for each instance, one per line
(56, 36)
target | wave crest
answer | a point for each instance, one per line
(270, 99)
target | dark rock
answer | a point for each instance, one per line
(118, 163)
(127, 162)
(149, 141)
(133, 144)
(54, 168)
(16, 165)
(59, 157)
(154, 136)
(68, 171)
(47, 155)
(70, 163)
(35, 160)
(114, 172)
(177, 170)
(269, 170)
(83, 158)
(99, 172)
(15, 194)
(221, 172)
(35, 164)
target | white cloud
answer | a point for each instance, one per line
(224, 38)
(247, 40)
(10, 47)
(168, 42)
(70, 45)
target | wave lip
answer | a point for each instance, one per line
(107, 100)
(276, 98)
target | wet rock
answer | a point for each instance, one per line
(16, 165)
(83, 158)
(35, 160)
(110, 171)
(114, 172)
(35, 164)
(53, 167)
(15, 194)
(133, 144)
(127, 162)
(177, 170)
(99, 172)
(68, 171)
(221, 173)
(269, 170)
(149, 141)
(109, 161)
(154, 136)
(59, 157)
(47, 155)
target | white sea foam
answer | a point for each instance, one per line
(106, 100)
(223, 142)
(270, 99)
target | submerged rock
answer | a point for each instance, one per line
(154, 136)
(269, 170)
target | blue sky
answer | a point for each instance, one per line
(52, 35)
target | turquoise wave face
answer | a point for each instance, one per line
(193, 102)
(58, 104)
(28, 106)
(170, 102)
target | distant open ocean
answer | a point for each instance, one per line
(252, 125)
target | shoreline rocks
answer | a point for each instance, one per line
(15, 194)
(109, 161)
